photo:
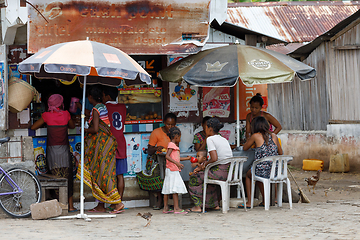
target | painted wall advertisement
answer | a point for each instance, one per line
(216, 102)
(183, 97)
(134, 153)
(246, 93)
(144, 147)
(14, 72)
(40, 153)
(152, 26)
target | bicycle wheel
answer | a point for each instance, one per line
(18, 204)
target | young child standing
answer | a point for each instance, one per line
(173, 183)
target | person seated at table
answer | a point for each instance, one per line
(267, 144)
(201, 158)
(200, 137)
(218, 148)
(149, 179)
(256, 103)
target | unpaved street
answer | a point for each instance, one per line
(335, 216)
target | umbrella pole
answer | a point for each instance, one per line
(237, 114)
(82, 149)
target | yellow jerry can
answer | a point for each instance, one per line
(313, 164)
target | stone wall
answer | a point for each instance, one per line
(339, 138)
(13, 149)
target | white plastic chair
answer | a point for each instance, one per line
(234, 178)
(281, 178)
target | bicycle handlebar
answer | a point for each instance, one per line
(3, 140)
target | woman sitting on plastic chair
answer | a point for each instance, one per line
(218, 148)
(267, 144)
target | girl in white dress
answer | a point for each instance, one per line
(173, 183)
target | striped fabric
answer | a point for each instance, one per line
(103, 113)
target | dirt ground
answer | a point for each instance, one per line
(335, 216)
(331, 186)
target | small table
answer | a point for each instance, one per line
(49, 181)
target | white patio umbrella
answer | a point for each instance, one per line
(93, 63)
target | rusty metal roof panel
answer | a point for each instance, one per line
(291, 21)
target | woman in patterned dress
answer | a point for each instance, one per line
(200, 137)
(267, 144)
(218, 148)
(100, 162)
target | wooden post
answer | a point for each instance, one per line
(250, 40)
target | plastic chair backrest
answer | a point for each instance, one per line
(235, 169)
(279, 161)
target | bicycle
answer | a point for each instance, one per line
(19, 188)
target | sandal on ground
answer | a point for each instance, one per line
(110, 209)
(74, 210)
(181, 212)
(242, 206)
(168, 211)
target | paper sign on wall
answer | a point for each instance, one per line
(216, 102)
(133, 151)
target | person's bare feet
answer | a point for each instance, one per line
(98, 208)
(119, 206)
(196, 209)
(248, 205)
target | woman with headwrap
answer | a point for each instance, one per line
(57, 148)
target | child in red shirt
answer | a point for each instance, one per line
(117, 115)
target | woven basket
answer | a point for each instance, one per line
(20, 93)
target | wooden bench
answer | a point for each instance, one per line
(48, 182)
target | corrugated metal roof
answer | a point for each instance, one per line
(285, 49)
(295, 22)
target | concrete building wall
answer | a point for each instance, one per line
(339, 138)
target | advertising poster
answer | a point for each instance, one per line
(40, 155)
(2, 84)
(187, 137)
(14, 72)
(144, 147)
(246, 93)
(183, 97)
(216, 102)
(75, 149)
(133, 151)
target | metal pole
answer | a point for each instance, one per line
(82, 198)
(238, 113)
